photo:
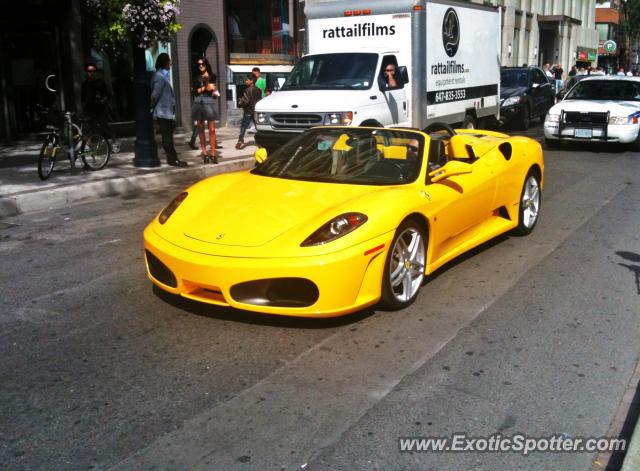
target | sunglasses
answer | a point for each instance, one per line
(201, 64)
(390, 70)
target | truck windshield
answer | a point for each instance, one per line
(333, 72)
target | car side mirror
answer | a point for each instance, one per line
(450, 169)
(535, 85)
(404, 74)
(260, 155)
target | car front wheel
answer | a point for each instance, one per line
(404, 268)
(530, 199)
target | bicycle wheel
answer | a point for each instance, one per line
(47, 157)
(95, 151)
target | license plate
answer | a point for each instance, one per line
(588, 133)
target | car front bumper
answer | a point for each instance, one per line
(346, 281)
(624, 134)
(274, 139)
(512, 112)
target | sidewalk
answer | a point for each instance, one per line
(22, 191)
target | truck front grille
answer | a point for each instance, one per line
(295, 120)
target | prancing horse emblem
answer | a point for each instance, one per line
(220, 236)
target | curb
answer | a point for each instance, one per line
(59, 197)
(632, 458)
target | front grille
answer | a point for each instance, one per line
(586, 119)
(573, 121)
(160, 271)
(295, 120)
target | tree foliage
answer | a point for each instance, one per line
(630, 19)
(144, 22)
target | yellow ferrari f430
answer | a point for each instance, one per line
(341, 218)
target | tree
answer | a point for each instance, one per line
(630, 24)
(140, 23)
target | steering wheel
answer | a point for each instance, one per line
(377, 168)
(439, 126)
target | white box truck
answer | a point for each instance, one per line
(444, 55)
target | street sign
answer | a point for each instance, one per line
(610, 46)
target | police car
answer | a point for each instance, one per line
(597, 109)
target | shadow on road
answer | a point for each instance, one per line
(635, 269)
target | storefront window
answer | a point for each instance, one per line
(260, 31)
(117, 72)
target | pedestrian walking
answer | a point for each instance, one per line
(95, 97)
(261, 83)
(204, 108)
(558, 73)
(250, 97)
(163, 107)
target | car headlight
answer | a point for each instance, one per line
(338, 118)
(552, 118)
(261, 118)
(514, 100)
(622, 120)
(336, 228)
(171, 207)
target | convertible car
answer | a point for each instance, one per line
(341, 218)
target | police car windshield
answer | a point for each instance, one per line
(333, 72)
(616, 90)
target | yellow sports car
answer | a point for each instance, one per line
(341, 218)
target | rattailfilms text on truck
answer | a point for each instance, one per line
(359, 30)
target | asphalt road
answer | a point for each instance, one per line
(536, 335)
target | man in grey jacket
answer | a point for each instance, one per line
(163, 106)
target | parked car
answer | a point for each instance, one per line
(597, 109)
(339, 218)
(525, 94)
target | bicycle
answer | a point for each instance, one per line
(93, 148)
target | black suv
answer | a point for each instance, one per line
(525, 94)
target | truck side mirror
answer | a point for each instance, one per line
(404, 74)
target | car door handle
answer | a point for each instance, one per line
(373, 97)
(404, 106)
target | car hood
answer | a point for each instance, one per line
(254, 210)
(617, 108)
(296, 101)
(507, 92)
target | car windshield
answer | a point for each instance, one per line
(617, 90)
(348, 155)
(333, 72)
(514, 78)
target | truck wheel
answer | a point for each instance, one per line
(469, 122)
